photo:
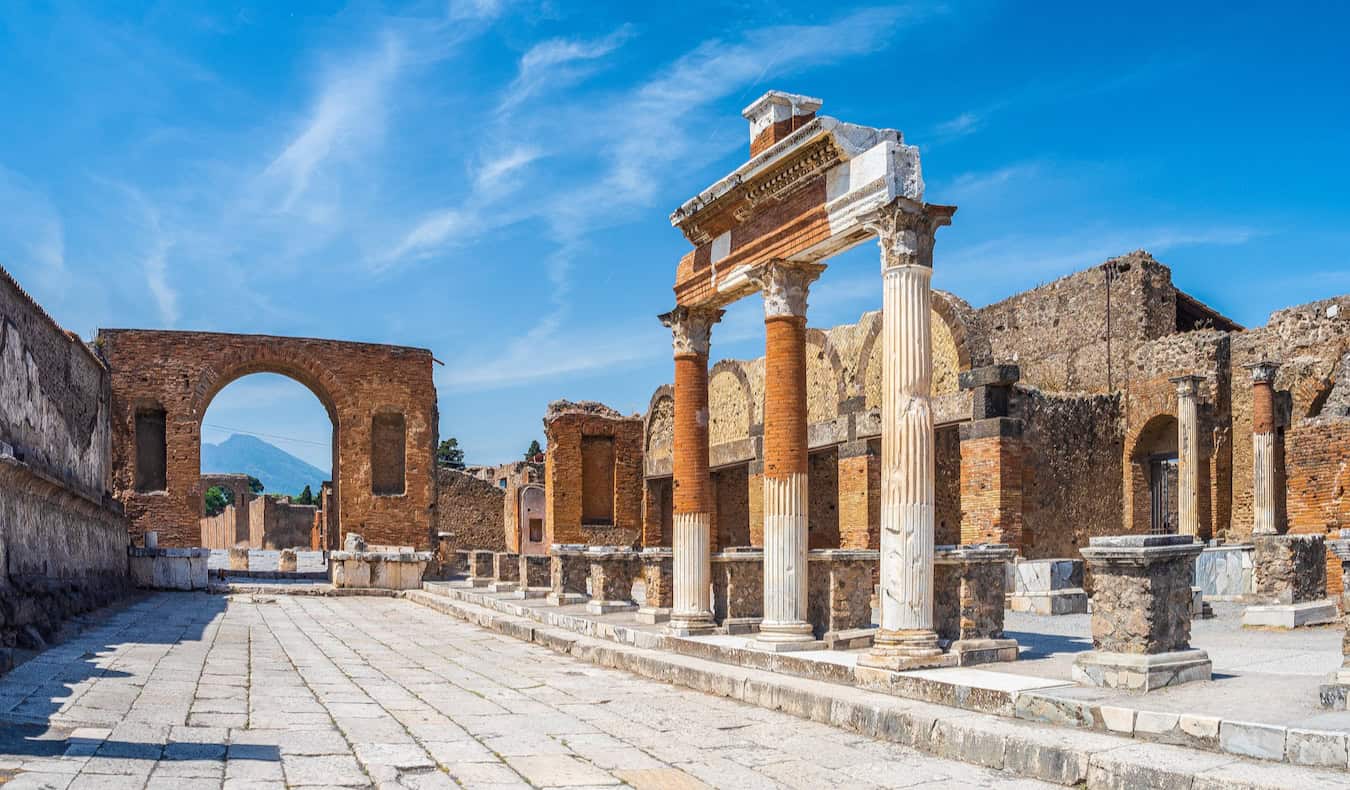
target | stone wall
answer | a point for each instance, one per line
(566, 426)
(279, 524)
(1318, 460)
(1071, 473)
(63, 538)
(177, 374)
(471, 510)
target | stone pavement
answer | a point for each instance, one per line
(191, 690)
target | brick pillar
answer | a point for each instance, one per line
(1263, 448)
(1188, 456)
(692, 494)
(859, 496)
(906, 639)
(991, 460)
(785, 285)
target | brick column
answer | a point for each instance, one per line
(906, 639)
(785, 625)
(1263, 448)
(1188, 456)
(693, 503)
(991, 459)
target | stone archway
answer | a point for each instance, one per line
(1151, 467)
(380, 399)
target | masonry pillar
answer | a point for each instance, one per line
(1263, 447)
(785, 625)
(693, 505)
(906, 639)
(1188, 456)
(991, 459)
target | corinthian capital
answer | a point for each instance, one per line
(785, 285)
(691, 328)
(905, 231)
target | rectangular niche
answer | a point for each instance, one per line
(388, 454)
(151, 451)
(597, 480)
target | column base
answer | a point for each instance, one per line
(785, 638)
(1290, 615)
(610, 607)
(899, 651)
(502, 587)
(741, 625)
(983, 651)
(1335, 693)
(1141, 671)
(690, 625)
(651, 615)
(564, 599)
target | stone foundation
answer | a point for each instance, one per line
(505, 572)
(1141, 613)
(658, 580)
(968, 602)
(480, 567)
(839, 595)
(611, 577)
(1049, 587)
(1291, 583)
(534, 575)
(169, 569)
(569, 571)
(738, 589)
(381, 570)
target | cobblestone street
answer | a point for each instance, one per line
(186, 691)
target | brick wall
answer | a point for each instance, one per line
(947, 488)
(180, 372)
(471, 510)
(822, 494)
(278, 524)
(1318, 463)
(860, 496)
(991, 491)
(565, 426)
(731, 511)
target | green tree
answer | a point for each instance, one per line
(306, 497)
(217, 497)
(533, 450)
(449, 454)
(255, 485)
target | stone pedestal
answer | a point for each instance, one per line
(534, 577)
(840, 595)
(238, 559)
(168, 569)
(569, 570)
(505, 572)
(1141, 613)
(658, 579)
(384, 570)
(1335, 692)
(287, 562)
(968, 598)
(738, 589)
(1226, 572)
(612, 571)
(460, 562)
(1291, 583)
(480, 568)
(1049, 587)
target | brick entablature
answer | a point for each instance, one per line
(180, 373)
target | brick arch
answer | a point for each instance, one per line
(184, 371)
(837, 386)
(1157, 434)
(664, 393)
(736, 370)
(971, 344)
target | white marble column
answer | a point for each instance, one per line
(1263, 448)
(785, 625)
(1188, 456)
(691, 329)
(906, 638)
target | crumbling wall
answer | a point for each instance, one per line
(566, 426)
(1071, 470)
(279, 524)
(1318, 463)
(63, 539)
(470, 510)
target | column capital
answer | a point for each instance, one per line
(1187, 386)
(905, 231)
(691, 328)
(1263, 372)
(785, 285)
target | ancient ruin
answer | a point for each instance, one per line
(1086, 490)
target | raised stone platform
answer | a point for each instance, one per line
(169, 569)
(384, 570)
(1046, 587)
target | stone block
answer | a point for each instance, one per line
(1117, 719)
(839, 590)
(1317, 747)
(612, 573)
(1225, 573)
(287, 562)
(658, 580)
(968, 602)
(480, 566)
(238, 559)
(1290, 568)
(1290, 616)
(534, 572)
(1251, 739)
(1141, 671)
(569, 571)
(738, 589)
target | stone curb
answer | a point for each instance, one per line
(1058, 755)
(1277, 743)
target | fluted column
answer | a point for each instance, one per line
(1188, 456)
(906, 638)
(1263, 448)
(692, 612)
(785, 286)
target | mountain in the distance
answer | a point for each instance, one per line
(279, 471)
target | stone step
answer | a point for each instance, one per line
(1057, 754)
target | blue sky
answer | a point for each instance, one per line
(492, 180)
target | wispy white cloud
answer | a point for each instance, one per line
(495, 171)
(558, 62)
(459, 10)
(963, 124)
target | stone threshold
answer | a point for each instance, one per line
(1022, 748)
(1018, 697)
